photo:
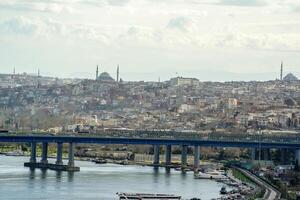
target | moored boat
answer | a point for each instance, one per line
(140, 196)
(223, 190)
(211, 175)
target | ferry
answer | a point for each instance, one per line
(219, 175)
(141, 196)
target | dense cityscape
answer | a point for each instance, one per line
(180, 104)
(37, 104)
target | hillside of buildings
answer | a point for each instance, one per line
(50, 104)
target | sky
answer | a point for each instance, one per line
(212, 40)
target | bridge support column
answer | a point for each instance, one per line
(71, 154)
(33, 153)
(168, 155)
(297, 155)
(44, 159)
(282, 156)
(196, 157)
(184, 156)
(59, 153)
(58, 166)
(156, 154)
(266, 154)
(253, 154)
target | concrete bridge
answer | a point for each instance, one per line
(262, 142)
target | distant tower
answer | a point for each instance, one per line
(39, 81)
(118, 73)
(281, 71)
(97, 72)
(14, 70)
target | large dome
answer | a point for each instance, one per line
(105, 77)
(290, 77)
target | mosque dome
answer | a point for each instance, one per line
(105, 77)
(290, 77)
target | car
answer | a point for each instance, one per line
(3, 131)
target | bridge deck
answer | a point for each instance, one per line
(162, 138)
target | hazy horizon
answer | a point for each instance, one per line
(212, 40)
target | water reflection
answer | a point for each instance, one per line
(71, 176)
(32, 174)
(58, 176)
(156, 170)
(43, 173)
(155, 174)
(168, 171)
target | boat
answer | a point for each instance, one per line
(183, 169)
(100, 161)
(15, 153)
(220, 175)
(223, 190)
(140, 196)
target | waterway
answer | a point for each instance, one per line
(100, 182)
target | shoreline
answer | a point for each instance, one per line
(108, 161)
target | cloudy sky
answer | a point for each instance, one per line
(207, 39)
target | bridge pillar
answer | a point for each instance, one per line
(196, 157)
(71, 154)
(266, 154)
(59, 153)
(253, 154)
(282, 156)
(156, 155)
(168, 155)
(297, 155)
(184, 156)
(33, 152)
(44, 159)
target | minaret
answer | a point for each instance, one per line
(39, 81)
(97, 72)
(281, 71)
(118, 73)
(14, 70)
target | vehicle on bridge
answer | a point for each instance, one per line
(4, 131)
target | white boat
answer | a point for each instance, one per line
(211, 175)
(15, 153)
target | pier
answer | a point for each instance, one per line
(58, 165)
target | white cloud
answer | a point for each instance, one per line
(180, 23)
(18, 25)
(167, 29)
(243, 2)
(37, 6)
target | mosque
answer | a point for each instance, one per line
(288, 77)
(105, 77)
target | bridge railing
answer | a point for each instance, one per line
(173, 135)
(230, 137)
